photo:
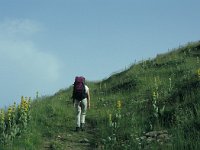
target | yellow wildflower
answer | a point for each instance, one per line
(119, 104)
(9, 113)
(198, 72)
(22, 100)
(26, 106)
(154, 94)
(2, 116)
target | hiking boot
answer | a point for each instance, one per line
(82, 126)
(77, 129)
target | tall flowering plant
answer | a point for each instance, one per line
(24, 112)
(2, 121)
(155, 105)
(119, 105)
(14, 120)
(198, 73)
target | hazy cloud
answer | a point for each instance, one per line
(24, 54)
(21, 61)
(18, 28)
(24, 57)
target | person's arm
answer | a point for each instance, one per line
(88, 99)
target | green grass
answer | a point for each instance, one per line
(174, 107)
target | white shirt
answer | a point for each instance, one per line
(86, 89)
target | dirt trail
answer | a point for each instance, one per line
(70, 140)
(64, 135)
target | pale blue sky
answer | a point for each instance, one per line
(44, 44)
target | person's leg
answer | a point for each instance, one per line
(83, 112)
(78, 114)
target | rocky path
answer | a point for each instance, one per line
(66, 138)
(70, 140)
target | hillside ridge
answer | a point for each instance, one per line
(153, 96)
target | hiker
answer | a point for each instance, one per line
(81, 101)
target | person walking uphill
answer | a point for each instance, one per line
(81, 101)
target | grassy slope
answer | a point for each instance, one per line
(52, 122)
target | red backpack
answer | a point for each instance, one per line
(79, 92)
